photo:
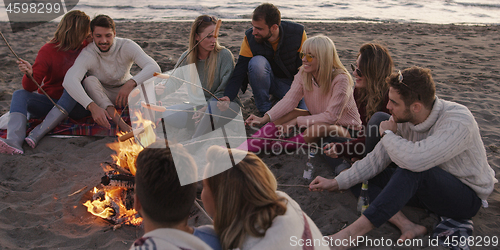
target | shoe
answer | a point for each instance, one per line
(16, 132)
(341, 167)
(53, 118)
(256, 145)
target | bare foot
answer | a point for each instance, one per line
(412, 231)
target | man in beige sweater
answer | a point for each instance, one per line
(440, 157)
(107, 62)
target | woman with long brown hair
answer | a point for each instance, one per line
(213, 63)
(248, 211)
(373, 65)
(49, 69)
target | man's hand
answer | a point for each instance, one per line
(319, 184)
(388, 125)
(285, 128)
(254, 120)
(99, 115)
(25, 67)
(330, 150)
(223, 103)
(122, 98)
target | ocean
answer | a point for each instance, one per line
(423, 11)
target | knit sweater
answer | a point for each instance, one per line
(49, 69)
(112, 68)
(337, 107)
(169, 239)
(449, 138)
(287, 230)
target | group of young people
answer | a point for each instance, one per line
(427, 152)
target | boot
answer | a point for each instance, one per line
(16, 131)
(255, 145)
(53, 118)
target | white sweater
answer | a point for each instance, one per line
(287, 231)
(449, 138)
(112, 68)
(169, 239)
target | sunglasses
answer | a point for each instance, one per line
(400, 79)
(207, 19)
(308, 57)
(354, 69)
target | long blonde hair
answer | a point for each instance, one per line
(244, 196)
(376, 65)
(329, 65)
(72, 30)
(198, 26)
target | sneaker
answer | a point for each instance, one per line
(341, 167)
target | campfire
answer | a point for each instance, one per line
(113, 199)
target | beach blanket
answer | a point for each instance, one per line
(85, 126)
(453, 234)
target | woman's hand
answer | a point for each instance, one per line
(223, 103)
(285, 128)
(319, 184)
(198, 114)
(25, 67)
(330, 150)
(254, 120)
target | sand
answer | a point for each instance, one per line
(36, 212)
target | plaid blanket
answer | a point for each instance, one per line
(84, 126)
(453, 234)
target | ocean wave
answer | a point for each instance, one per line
(480, 5)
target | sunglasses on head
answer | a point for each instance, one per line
(355, 69)
(400, 79)
(308, 57)
(207, 19)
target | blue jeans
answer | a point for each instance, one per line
(433, 189)
(263, 82)
(38, 105)
(176, 117)
(372, 130)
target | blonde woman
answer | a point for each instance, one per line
(248, 211)
(327, 89)
(49, 69)
(214, 64)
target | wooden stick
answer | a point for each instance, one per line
(33, 79)
(203, 210)
(286, 185)
(78, 191)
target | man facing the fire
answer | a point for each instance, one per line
(164, 204)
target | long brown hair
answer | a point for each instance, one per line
(376, 65)
(72, 30)
(244, 196)
(199, 25)
(329, 65)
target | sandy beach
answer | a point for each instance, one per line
(37, 213)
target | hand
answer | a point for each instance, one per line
(319, 184)
(198, 114)
(330, 150)
(285, 128)
(159, 89)
(99, 115)
(25, 67)
(122, 97)
(388, 125)
(223, 103)
(254, 120)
